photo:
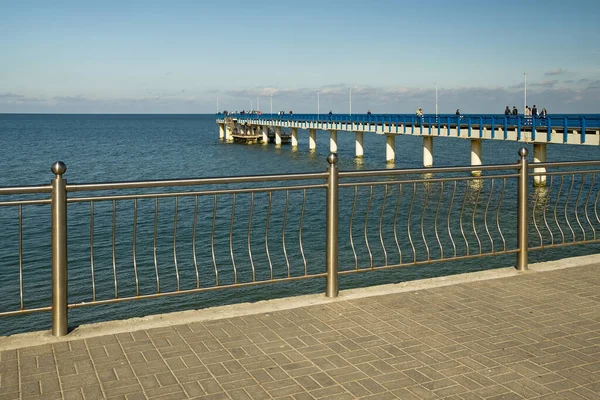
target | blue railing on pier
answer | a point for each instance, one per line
(473, 124)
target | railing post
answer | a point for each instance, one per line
(60, 325)
(522, 211)
(331, 251)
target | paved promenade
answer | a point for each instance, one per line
(522, 336)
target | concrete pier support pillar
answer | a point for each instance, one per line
(359, 145)
(294, 137)
(221, 131)
(390, 148)
(539, 156)
(427, 151)
(258, 133)
(312, 139)
(265, 134)
(333, 141)
(278, 135)
(228, 137)
(476, 155)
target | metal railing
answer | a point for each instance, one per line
(471, 125)
(142, 240)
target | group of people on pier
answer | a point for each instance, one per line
(529, 112)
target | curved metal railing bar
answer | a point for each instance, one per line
(300, 231)
(194, 253)
(250, 237)
(176, 214)
(351, 230)
(235, 280)
(485, 214)
(423, 221)
(267, 234)
(577, 206)
(567, 205)
(412, 201)
(134, 249)
(212, 241)
(585, 208)
(114, 237)
(93, 277)
(381, 223)
(395, 225)
(449, 218)
(285, 213)
(366, 224)
(435, 219)
(460, 218)
(498, 215)
(546, 205)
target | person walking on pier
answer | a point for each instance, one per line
(515, 112)
(419, 115)
(457, 111)
(534, 111)
(507, 111)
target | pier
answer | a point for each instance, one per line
(566, 130)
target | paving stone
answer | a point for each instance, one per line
(191, 374)
(166, 392)
(79, 380)
(210, 386)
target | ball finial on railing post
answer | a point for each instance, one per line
(59, 168)
(332, 158)
(523, 152)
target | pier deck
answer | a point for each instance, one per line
(532, 335)
(563, 130)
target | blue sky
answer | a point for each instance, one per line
(180, 56)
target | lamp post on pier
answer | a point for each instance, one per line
(525, 96)
(318, 104)
(350, 101)
(436, 100)
(271, 104)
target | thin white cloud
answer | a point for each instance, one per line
(547, 84)
(70, 99)
(10, 95)
(556, 71)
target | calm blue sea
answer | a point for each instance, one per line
(108, 148)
